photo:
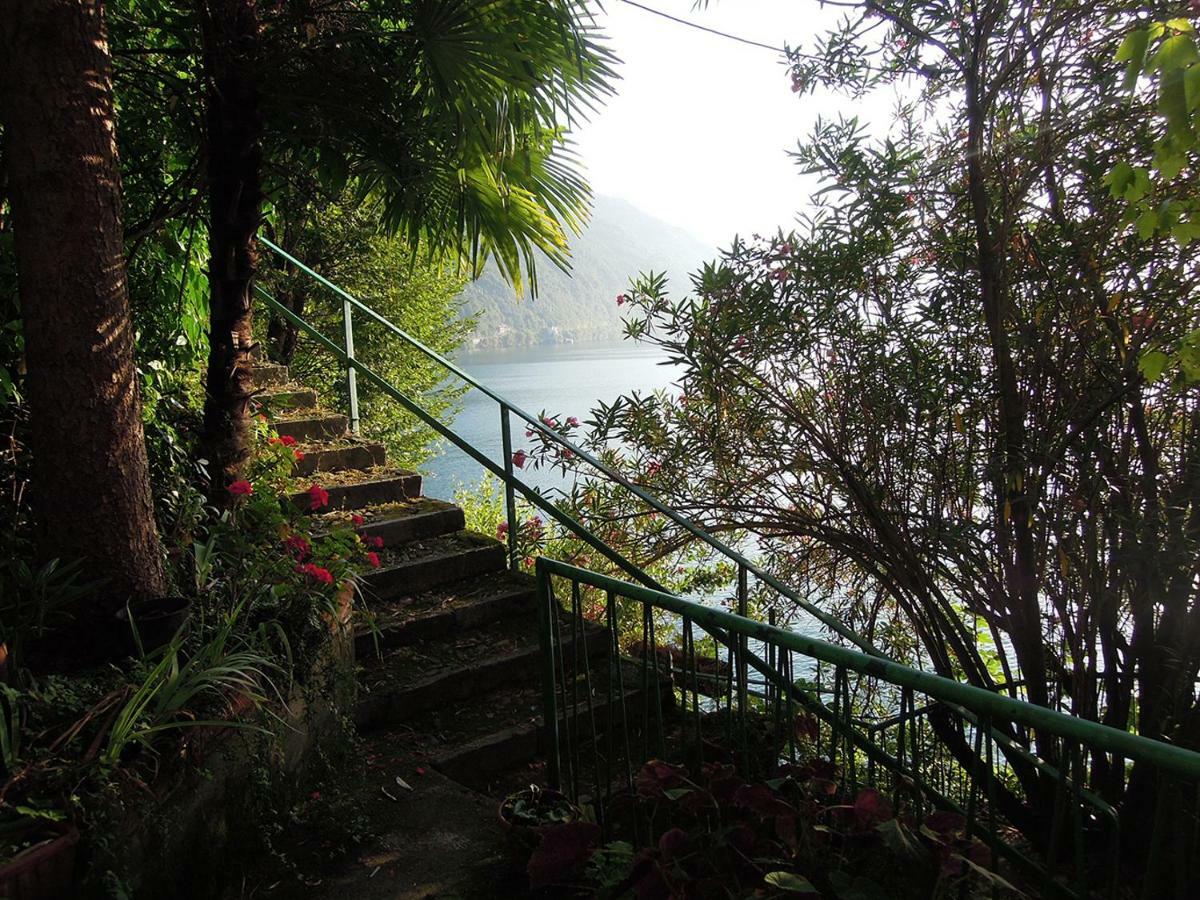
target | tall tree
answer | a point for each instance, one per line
(230, 32)
(927, 401)
(92, 490)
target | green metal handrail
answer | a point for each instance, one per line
(346, 355)
(976, 708)
(1168, 757)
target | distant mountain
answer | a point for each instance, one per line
(620, 241)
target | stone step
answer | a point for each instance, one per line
(287, 398)
(483, 738)
(417, 520)
(268, 376)
(436, 614)
(338, 457)
(426, 564)
(412, 680)
(312, 428)
(355, 489)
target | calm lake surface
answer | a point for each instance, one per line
(563, 380)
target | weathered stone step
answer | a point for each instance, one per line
(411, 680)
(485, 737)
(268, 376)
(423, 518)
(358, 489)
(313, 428)
(288, 398)
(423, 565)
(339, 457)
(436, 614)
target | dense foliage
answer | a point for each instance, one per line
(931, 403)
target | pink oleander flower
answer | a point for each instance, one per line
(318, 497)
(572, 421)
(622, 299)
(519, 458)
(501, 530)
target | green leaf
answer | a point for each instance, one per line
(1172, 103)
(1133, 52)
(676, 793)
(1191, 87)
(1152, 364)
(1185, 232)
(1147, 224)
(1120, 179)
(1177, 52)
(1189, 361)
(898, 838)
(786, 881)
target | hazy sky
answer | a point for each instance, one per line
(699, 130)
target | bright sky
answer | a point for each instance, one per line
(698, 132)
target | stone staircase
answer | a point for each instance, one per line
(449, 697)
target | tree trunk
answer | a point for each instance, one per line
(92, 494)
(234, 155)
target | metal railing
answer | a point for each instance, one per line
(873, 724)
(930, 743)
(512, 483)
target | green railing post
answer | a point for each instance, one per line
(546, 615)
(351, 374)
(510, 498)
(743, 608)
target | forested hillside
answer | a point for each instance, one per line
(620, 242)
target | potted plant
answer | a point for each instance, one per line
(37, 856)
(152, 623)
(526, 812)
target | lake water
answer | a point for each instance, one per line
(563, 380)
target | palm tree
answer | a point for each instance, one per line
(451, 116)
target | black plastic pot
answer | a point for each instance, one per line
(155, 621)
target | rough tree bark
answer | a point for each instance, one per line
(234, 158)
(92, 494)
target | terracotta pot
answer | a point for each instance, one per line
(45, 871)
(522, 838)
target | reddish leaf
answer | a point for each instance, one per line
(672, 844)
(871, 808)
(562, 853)
(946, 824)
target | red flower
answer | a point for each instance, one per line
(241, 488)
(376, 542)
(298, 455)
(519, 458)
(318, 497)
(622, 299)
(501, 530)
(316, 573)
(356, 519)
(572, 421)
(298, 546)
(286, 439)
(373, 559)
